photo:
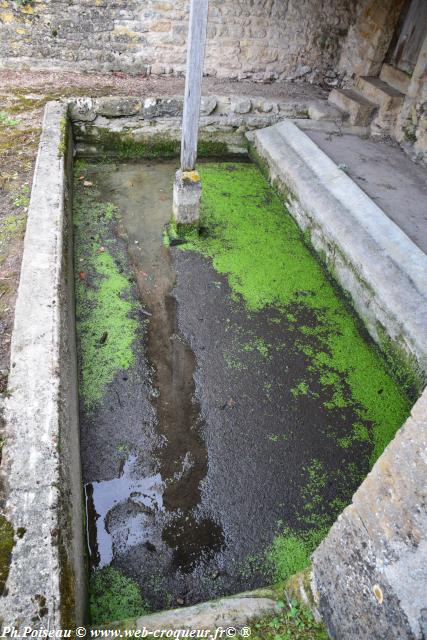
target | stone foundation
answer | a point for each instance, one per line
(128, 126)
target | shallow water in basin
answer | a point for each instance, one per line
(215, 453)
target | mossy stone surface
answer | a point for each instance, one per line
(6, 547)
(158, 146)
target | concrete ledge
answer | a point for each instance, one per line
(234, 611)
(41, 462)
(384, 272)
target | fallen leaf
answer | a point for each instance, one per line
(82, 275)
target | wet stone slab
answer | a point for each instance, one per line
(217, 452)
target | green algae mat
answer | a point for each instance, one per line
(105, 309)
(257, 244)
(297, 402)
(249, 237)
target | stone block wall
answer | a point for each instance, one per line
(369, 37)
(257, 39)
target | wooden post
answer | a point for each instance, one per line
(193, 82)
(187, 186)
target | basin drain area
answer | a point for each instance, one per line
(230, 403)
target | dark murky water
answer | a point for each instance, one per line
(191, 466)
(134, 513)
(143, 197)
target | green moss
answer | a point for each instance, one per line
(180, 232)
(106, 329)
(253, 240)
(7, 121)
(291, 549)
(290, 552)
(21, 197)
(63, 141)
(188, 231)
(282, 437)
(404, 367)
(113, 596)
(360, 434)
(79, 166)
(124, 146)
(211, 148)
(292, 621)
(301, 389)
(318, 513)
(250, 239)
(6, 547)
(257, 344)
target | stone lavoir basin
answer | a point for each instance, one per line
(230, 400)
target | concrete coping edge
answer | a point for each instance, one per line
(31, 464)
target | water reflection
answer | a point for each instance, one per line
(106, 502)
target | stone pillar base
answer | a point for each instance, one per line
(187, 190)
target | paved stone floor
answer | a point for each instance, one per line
(387, 175)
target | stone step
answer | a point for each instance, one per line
(397, 79)
(360, 110)
(380, 93)
(322, 111)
